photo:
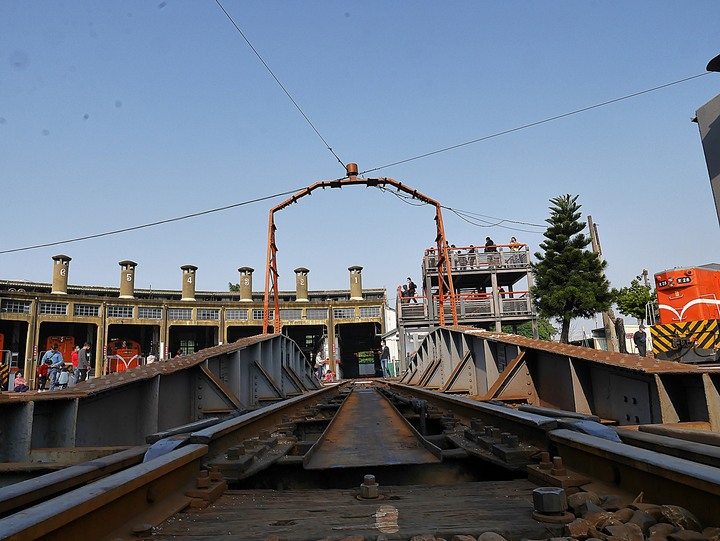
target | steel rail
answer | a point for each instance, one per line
(660, 477)
(152, 489)
(146, 494)
(529, 427)
(657, 471)
(26, 493)
(142, 494)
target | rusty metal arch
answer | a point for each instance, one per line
(445, 281)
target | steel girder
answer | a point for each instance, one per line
(626, 389)
(122, 409)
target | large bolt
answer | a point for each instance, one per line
(549, 500)
(550, 505)
(369, 488)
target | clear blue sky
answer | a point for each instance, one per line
(114, 114)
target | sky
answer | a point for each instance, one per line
(117, 114)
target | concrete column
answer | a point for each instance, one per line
(245, 284)
(355, 283)
(301, 284)
(127, 279)
(60, 274)
(188, 282)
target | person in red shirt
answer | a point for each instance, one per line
(74, 357)
(42, 372)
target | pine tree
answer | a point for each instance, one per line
(569, 280)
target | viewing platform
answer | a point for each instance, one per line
(492, 289)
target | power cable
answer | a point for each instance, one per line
(153, 224)
(467, 212)
(279, 83)
(537, 123)
(467, 215)
(464, 215)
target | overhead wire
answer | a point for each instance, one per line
(464, 215)
(152, 224)
(533, 124)
(467, 215)
(270, 71)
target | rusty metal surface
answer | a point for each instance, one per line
(119, 379)
(113, 504)
(661, 478)
(150, 492)
(368, 431)
(622, 360)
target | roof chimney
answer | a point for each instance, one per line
(127, 279)
(188, 282)
(60, 274)
(301, 284)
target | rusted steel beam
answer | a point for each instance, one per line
(234, 431)
(696, 452)
(31, 491)
(661, 478)
(146, 493)
(529, 427)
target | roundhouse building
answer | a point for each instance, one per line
(125, 326)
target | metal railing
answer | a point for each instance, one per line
(469, 306)
(474, 258)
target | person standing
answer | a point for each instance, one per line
(74, 362)
(490, 249)
(640, 340)
(83, 363)
(318, 366)
(56, 364)
(411, 289)
(490, 245)
(42, 372)
(384, 359)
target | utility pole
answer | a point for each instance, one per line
(607, 316)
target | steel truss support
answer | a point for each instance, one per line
(446, 291)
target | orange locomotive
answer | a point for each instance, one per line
(123, 354)
(689, 312)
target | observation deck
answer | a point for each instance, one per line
(491, 289)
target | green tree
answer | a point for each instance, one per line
(233, 287)
(545, 329)
(631, 301)
(569, 280)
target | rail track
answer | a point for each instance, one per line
(364, 458)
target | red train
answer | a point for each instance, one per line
(123, 354)
(66, 344)
(689, 312)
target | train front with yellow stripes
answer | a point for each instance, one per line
(689, 312)
(688, 342)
